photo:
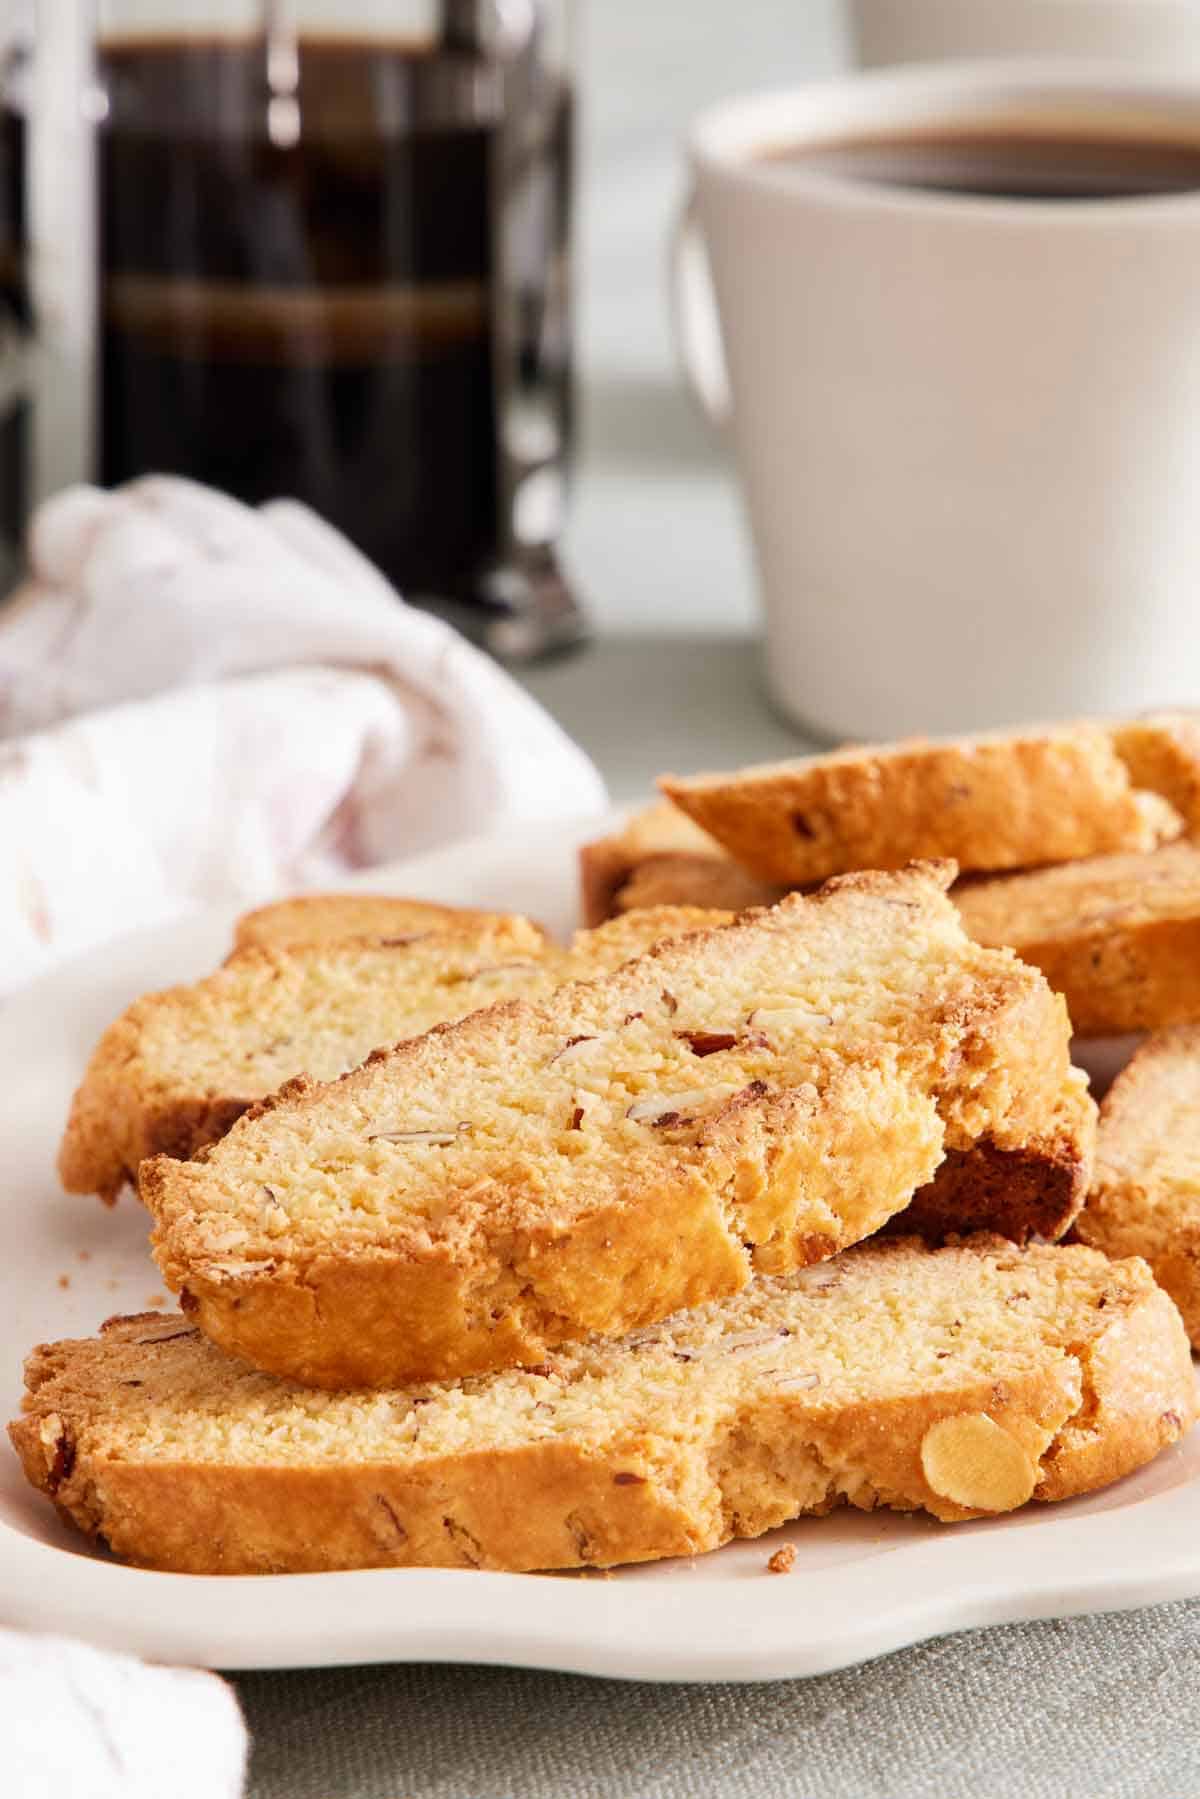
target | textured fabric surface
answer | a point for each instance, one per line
(1092, 1708)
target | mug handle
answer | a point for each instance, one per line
(695, 323)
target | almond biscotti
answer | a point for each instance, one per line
(964, 1381)
(177, 1068)
(660, 858)
(311, 918)
(1145, 1197)
(1048, 794)
(1118, 936)
(743, 1099)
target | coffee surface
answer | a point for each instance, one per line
(1008, 162)
(327, 317)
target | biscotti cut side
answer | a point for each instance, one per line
(1034, 1188)
(964, 1381)
(1145, 1198)
(1118, 936)
(175, 1071)
(659, 857)
(1005, 801)
(314, 918)
(747, 1098)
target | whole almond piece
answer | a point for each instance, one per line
(972, 1461)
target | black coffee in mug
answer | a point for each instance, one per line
(1008, 160)
(354, 294)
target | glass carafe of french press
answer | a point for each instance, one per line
(331, 260)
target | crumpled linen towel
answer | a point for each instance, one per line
(83, 1723)
(202, 702)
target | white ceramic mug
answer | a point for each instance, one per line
(967, 428)
(896, 31)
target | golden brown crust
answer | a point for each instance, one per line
(306, 919)
(1117, 936)
(498, 1251)
(1035, 796)
(1088, 1377)
(1145, 1199)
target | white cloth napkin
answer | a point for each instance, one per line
(201, 702)
(81, 1723)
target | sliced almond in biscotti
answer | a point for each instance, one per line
(1117, 936)
(176, 1069)
(311, 918)
(1145, 1197)
(747, 1098)
(963, 1381)
(1045, 794)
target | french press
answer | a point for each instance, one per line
(318, 250)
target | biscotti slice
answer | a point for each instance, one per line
(1145, 1197)
(177, 1068)
(1118, 936)
(962, 1381)
(660, 858)
(312, 918)
(1006, 801)
(747, 1098)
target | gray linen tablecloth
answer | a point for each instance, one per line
(1092, 1708)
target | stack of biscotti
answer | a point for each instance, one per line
(1072, 841)
(1077, 847)
(583, 1276)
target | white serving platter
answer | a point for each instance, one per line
(861, 1584)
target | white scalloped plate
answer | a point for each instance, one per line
(860, 1585)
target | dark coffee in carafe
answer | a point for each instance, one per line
(359, 300)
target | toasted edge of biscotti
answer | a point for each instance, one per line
(1118, 936)
(1016, 1375)
(661, 829)
(1145, 1196)
(1007, 800)
(305, 919)
(430, 1252)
